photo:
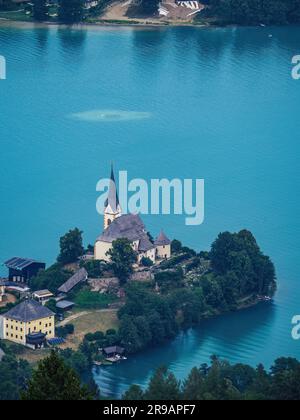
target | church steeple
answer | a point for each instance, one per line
(112, 205)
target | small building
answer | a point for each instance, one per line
(29, 324)
(22, 270)
(65, 305)
(163, 246)
(80, 276)
(114, 351)
(43, 296)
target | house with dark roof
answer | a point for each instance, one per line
(22, 270)
(29, 324)
(131, 227)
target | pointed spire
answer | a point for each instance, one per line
(113, 198)
(162, 239)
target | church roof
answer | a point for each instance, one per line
(113, 198)
(128, 226)
(28, 310)
(145, 244)
(162, 239)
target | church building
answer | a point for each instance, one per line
(131, 227)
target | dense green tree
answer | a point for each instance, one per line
(239, 254)
(95, 268)
(253, 12)
(135, 393)
(71, 11)
(193, 385)
(176, 246)
(40, 10)
(14, 374)
(53, 380)
(71, 247)
(50, 279)
(122, 257)
(163, 386)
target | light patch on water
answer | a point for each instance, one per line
(104, 115)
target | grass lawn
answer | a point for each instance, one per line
(90, 322)
(85, 299)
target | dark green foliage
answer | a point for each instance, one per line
(163, 385)
(122, 258)
(135, 393)
(65, 330)
(168, 280)
(176, 246)
(146, 262)
(40, 10)
(146, 319)
(71, 247)
(239, 254)
(222, 381)
(50, 279)
(71, 11)
(253, 12)
(95, 268)
(54, 380)
(51, 304)
(14, 374)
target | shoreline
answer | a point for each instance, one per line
(130, 23)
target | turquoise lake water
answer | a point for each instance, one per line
(218, 104)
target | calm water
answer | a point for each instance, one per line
(218, 104)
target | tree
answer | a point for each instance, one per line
(71, 11)
(40, 10)
(53, 380)
(163, 386)
(122, 257)
(149, 7)
(135, 393)
(176, 246)
(146, 262)
(51, 279)
(51, 304)
(14, 374)
(71, 247)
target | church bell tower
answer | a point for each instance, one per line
(112, 205)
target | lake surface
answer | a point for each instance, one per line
(218, 104)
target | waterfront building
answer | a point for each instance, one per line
(29, 324)
(131, 227)
(22, 270)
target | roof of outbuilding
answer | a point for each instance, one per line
(18, 263)
(28, 310)
(162, 239)
(80, 276)
(129, 226)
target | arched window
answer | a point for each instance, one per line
(109, 222)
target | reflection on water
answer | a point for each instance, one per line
(234, 336)
(225, 109)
